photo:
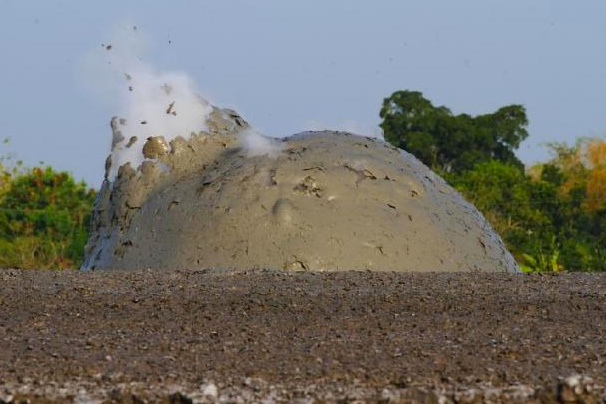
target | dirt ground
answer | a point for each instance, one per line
(262, 336)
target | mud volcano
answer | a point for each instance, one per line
(317, 201)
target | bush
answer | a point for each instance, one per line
(44, 219)
(552, 217)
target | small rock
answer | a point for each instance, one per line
(154, 147)
(209, 390)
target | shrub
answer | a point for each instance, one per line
(44, 219)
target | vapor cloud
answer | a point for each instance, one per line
(147, 101)
(256, 144)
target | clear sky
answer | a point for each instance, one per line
(288, 66)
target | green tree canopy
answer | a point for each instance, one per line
(521, 210)
(548, 219)
(448, 142)
(44, 219)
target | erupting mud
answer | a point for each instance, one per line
(227, 197)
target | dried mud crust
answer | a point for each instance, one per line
(261, 336)
(322, 201)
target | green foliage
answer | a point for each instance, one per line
(452, 143)
(44, 219)
(544, 220)
(598, 261)
(543, 261)
(518, 208)
(552, 217)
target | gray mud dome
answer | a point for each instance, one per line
(321, 201)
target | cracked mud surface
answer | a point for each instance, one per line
(203, 336)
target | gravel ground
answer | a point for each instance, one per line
(264, 336)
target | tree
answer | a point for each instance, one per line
(44, 219)
(520, 210)
(595, 152)
(579, 173)
(448, 142)
(554, 216)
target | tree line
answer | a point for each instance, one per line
(44, 218)
(552, 216)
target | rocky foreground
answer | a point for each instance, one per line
(262, 336)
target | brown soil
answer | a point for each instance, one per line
(275, 336)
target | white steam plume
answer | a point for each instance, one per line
(257, 144)
(150, 102)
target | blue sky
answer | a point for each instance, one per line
(288, 66)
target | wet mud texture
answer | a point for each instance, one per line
(260, 336)
(319, 201)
